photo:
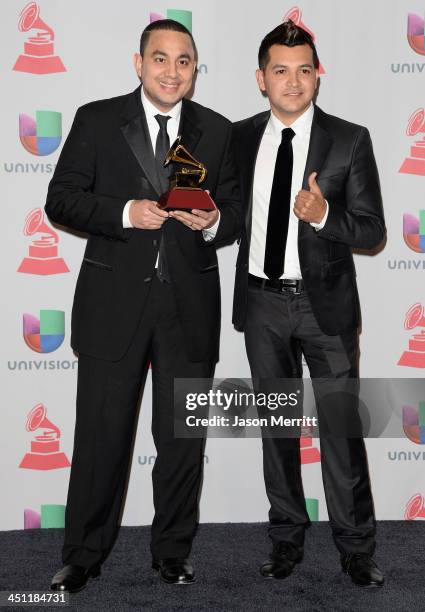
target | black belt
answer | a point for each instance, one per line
(291, 285)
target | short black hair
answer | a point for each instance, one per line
(288, 34)
(165, 24)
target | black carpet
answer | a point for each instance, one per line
(226, 558)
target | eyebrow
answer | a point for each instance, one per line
(182, 56)
(286, 66)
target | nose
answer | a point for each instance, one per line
(172, 70)
(293, 79)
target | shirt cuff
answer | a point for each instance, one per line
(126, 215)
(210, 232)
(321, 225)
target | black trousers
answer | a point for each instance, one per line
(107, 399)
(280, 327)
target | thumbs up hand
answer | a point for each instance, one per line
(314, 187)
(310, 205)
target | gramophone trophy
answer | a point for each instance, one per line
(184, 192)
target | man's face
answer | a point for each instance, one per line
(289, 80)
(167, 68)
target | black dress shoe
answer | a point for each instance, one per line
(281, 562)
(174, 571)
(73, 578)
(363, 570)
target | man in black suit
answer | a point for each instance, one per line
(310, 192)
(148, 291)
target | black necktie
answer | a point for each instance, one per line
(279, 207)
(161, 149)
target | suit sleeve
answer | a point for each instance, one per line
(227, 198)
(70, 199)
(360, 223)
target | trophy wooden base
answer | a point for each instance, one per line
(183, 198)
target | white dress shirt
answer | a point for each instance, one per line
(263, 180)
(173, 131)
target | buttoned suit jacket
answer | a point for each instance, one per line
(341, 152)
(107, 160)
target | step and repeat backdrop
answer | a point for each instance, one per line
(58, 55)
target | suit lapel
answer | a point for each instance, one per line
(135, 130)
(320, 143)
(188, 129)
(253, 140)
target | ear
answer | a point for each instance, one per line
(137, 61)
(259, 75)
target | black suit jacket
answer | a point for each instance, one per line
(107, 160)
(341, 153)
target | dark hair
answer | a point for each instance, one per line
(165, 24)
(288, 34)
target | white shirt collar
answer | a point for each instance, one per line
(301, 126)
(151, 110)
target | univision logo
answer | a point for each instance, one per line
(42, 364)
(51, 516)
(415, 33)
(312, 507)
(416, 40)
(46, 334)
(183, 17)
(414, 423)
(42, 135)
(414, 238)
(414, 231)
(406, 455)
(414, 429)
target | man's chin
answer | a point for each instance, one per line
(295, 109)
(169, 100)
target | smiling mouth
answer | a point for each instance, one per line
(169, 85)
(294, 93)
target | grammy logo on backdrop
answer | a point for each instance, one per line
(309, 453)
(43, 253)
(415, 164)
(45, 453)
(415, 355)
(294, 14)
(38, 56)
(414, 423)
(415, 508)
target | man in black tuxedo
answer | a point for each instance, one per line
(310, 192)
(148, 291)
